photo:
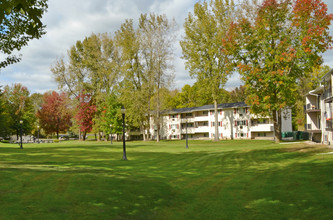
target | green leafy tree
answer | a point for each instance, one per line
(146, 58)
(202, 46)
(4, 117)
(92, 68)
(111, 115)
(274, 48)
(134, 88)
(20, 22)
(20, 108)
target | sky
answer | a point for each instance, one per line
(68, 21)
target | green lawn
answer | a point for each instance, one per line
(224, 180)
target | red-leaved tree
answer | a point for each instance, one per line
(55, 114)
(85, 113)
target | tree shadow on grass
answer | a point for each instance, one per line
(276, 183)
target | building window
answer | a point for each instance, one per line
(243, 122)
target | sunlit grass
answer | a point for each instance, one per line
(224, 180)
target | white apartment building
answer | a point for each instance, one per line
(234, 122)
(319, 111)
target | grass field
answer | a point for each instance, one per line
(224, 180)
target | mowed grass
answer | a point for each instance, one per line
(224, 180)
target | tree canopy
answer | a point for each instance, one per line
(274, 48)
(20, 22)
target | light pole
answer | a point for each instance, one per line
(123, 110)
(38, 134)
(21, 143)
(111, 132)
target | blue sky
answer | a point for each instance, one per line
(71, 20)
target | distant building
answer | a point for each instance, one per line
(234, 122)
(319, 111)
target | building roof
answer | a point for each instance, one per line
(316, 91)
(326, 75)
(206, 108)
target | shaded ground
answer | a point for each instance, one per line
(224, 180)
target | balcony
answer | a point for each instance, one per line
(201, 118)
(312, 128)
(312, 108)
(189, 130)
(262, 128)
(201, 129)
(187, 119)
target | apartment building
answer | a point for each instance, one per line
(234, 122)
(319, 111)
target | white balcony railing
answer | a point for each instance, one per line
(202, 129)
(201, 118)
(189, 130)
(189, 120)
(262, 128)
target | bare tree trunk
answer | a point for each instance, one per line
(277, 125)
(158, 116)
(216, 137)
(84, 136)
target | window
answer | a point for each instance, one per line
(205, 113)
(243, 122)
(213, 124)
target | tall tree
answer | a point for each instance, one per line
(202, 46)
(93, 67)
(275, 48)
(55, 113)
(20, 22)
(146, 57)
(156, 40)
(133, 89)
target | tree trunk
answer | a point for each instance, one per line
(216, 137)
(277, 125)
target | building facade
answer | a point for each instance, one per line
(234, 122)
(319, 111)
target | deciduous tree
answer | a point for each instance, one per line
(20, 22)
(275, 48)
(204, 30)
(85, 112)
(20, 108)
(55, 113)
